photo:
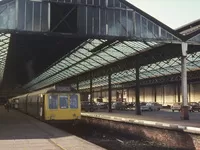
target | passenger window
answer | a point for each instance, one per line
(74, 101)
(63, 102)
(53, 102)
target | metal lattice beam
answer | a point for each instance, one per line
(4, 45)
(99, 53)
(155, 70)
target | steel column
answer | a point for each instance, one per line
(163, 94)
(101, 92)
(127, 97)
(77, 85)
(184, 110)
(184, 80)
(155, 94)
(137, 90)
(109, 93)
(179, 93)
(91, 96)
(189, 91)
(122, 94)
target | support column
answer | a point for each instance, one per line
(127, 96)
(184, 109)
(77, 85)
(117, 95)
(137, 90)
(91, 96)
(155, 94)
(163, 93)
(101, 92)
(122, 94)
(179, 93)
(109, 93)
(175, 94)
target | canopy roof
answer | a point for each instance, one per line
(158, 69)
(89, 55)
(4, 44)
(132, 33)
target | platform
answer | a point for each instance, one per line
(161, 119)
(22, 132)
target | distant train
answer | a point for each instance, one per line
(54, 104)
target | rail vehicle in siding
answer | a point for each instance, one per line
(54, 104)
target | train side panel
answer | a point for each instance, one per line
(32, 105)
(22, 104)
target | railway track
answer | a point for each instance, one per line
(112, 140)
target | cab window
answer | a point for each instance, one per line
(63, 102)
(74, 101)
(53, 101)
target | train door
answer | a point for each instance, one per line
(26, 104)
(42, 107)
(38, 107)
(16, 103)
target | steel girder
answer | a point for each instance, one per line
(88, 56)
(4, 45)
(155, 70)
(158, 54)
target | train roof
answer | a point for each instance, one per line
(53, 89)
(24, 95)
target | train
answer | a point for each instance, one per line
(53, 104)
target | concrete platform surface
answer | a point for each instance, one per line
(163, 119)
(21, 132)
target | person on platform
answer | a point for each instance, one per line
(7, 106)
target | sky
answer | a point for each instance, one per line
(173, 13)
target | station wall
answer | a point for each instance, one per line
(163, 94)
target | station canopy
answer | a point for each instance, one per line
(86, 58)
(130, 33)
(90, 55)
(158, 69)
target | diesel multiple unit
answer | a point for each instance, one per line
(51, 104)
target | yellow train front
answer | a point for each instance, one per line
(55, 104)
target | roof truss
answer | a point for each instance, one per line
(4, 45)
(90, 55)
(154, 70)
